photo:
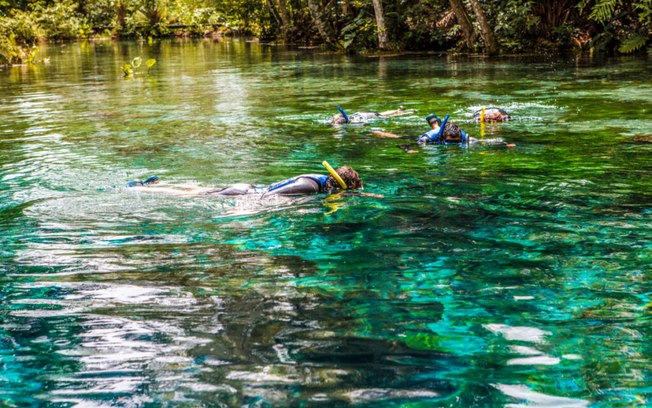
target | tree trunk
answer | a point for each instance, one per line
(464, 22)
(274, 13)
(345, 7)
(285, 19)
(485, 30)
(383, 40)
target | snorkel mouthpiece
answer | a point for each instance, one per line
(334, 174)
(346, 117)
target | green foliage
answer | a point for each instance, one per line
(60, 20)
(644, 10)
(359, 33)
(516, 24)
(98, 12)
(197, 20)
(129, 69)
(153, 14)
(519, 25)
(19, 35)
(602, 10)
(635, 42)
(625, 25)
(23, 26)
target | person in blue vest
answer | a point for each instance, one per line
(298, 185)
(442, 132)
(363, 117)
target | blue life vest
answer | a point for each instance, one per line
(320, 179)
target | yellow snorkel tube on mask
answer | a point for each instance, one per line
(334, 174)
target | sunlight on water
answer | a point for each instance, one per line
(479, 276)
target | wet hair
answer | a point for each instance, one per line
(492, 114)
(350, 177)
(338, 119)
(452, 133)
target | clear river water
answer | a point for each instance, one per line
(464, 276)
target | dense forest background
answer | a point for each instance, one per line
(487, 26)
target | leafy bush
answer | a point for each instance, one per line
(625, 26)
(23, 26)
(98, 12)
(60, 20)
(19, 35)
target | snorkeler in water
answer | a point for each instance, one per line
(344, 178)
(491, 114)
(442, 132)
(363, 117)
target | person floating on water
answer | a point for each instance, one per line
(344, 178)
(363, 117)
(491, 114)
(443, 132)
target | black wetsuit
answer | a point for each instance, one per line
(303, 184)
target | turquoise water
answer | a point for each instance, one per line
(481, 276)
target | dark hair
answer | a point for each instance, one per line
(452, 133)
(350, 177)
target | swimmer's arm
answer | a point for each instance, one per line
(497, 141)
(386, 135)
(396, 112)
(171, 189)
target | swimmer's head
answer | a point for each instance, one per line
(339, 119)
(350, 177)
(492, 114)
(452, 133)
(432, 119)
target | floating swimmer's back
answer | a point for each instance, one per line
(293, 184)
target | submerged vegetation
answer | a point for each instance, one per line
(348, 25)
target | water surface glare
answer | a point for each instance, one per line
(480, 276)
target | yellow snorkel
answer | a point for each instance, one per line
(482, 123)
(334, 174)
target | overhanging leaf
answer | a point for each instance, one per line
(633, 43)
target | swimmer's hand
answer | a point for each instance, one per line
(371, 195)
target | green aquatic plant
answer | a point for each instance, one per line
(136, 63)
